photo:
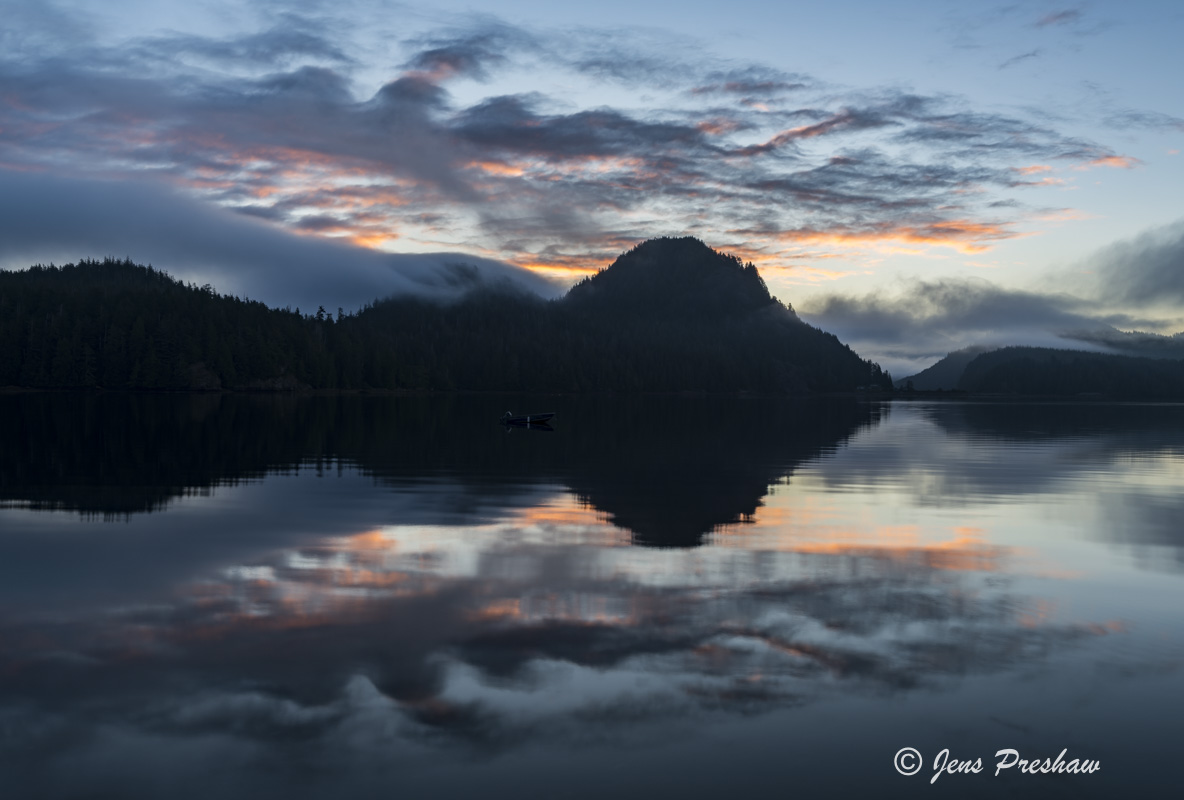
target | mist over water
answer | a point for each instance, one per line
(254, 596)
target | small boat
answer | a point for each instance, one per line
(510, 418)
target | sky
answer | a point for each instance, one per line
(914, 176)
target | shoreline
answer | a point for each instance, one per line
(878, 396)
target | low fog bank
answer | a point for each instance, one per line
(1128, 305)
(45, 218)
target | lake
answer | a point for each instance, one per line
(252, 596)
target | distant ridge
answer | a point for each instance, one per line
(1054, 372)
(1051, 372)
(945, 374)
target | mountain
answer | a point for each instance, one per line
(1052, 372)
(668, 278)
(670, 315)
(945, 374)
(116, 324)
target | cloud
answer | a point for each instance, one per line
(471, 52)
(1153, 120)
(1126, 287)
(1147, 269)
(290, 37)
(751, 82)
(278, 123)
(924, 320)
(1066, 16)
(272, 641)
(511, 125)
(49, 218)
(1011, 62)
(1136, 343)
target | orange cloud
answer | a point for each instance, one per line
(1120, 162)
(718, 126)
(961, 554)
(372, 241)
(562, 270)
(504, 609)
(841, 120)
(967, 551)
(497, 168)
(1066, 215)
(965, 236)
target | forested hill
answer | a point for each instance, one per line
(1048, 371)
(670, 315)
(943, 375)
(1053, 372)
(116, 324)
(673, 279)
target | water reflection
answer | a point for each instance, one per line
(1114, 472)
(397, 595)
(668, 469)
(412, 611)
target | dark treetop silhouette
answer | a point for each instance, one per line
(669, 315)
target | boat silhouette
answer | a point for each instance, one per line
(527, 420)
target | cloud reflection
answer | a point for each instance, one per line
(321, 617)
(414, 611)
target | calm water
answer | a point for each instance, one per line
(377, 597)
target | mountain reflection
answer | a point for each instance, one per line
(668, 469)
(1120, 461)
(368, 596)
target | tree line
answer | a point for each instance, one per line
(118, 325)
(1049, 371)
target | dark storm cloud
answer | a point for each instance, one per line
(143, 221)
